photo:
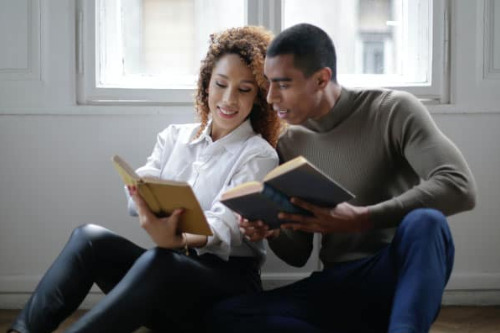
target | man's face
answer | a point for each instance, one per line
(291, 94)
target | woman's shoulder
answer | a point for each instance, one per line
(180, 130)
(259, 146)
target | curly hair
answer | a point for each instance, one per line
(250, 44)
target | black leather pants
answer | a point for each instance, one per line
(162, 289)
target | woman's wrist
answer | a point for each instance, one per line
(185, 246)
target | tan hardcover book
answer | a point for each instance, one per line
(295, 178)
(164, 196)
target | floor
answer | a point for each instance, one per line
(468, 320)
(451, 320)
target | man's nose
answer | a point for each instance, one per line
(272, 96)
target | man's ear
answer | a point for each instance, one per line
(323, 77)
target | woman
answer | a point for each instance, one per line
(164, 288)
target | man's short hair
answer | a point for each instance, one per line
(311, 47)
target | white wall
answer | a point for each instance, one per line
(55, 171)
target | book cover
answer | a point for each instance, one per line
(295, 178)
(164, 196)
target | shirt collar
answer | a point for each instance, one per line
(232, 141)
(205, 135)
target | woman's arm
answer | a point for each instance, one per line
(256, 163)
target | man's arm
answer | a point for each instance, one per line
(412, 136)
(447, 182)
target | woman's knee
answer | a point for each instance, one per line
(88, 232)
(158, 255)
(162, 262)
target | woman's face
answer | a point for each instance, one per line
(231, 94)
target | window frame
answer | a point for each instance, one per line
(258, 12)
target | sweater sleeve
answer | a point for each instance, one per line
(446, 182)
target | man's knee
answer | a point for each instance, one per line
(425, 222)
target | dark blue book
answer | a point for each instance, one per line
(295, 178)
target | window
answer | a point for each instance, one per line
(149, 51)
(391, 43)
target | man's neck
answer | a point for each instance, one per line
(329, 99)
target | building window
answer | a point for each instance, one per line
(149, 51)
(374, 56)
(158, 43)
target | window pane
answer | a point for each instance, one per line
(159, 43)
(378, 42)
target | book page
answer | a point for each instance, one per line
(285, 167)
(128, 175)
(242, 189)
(306, 182)
(164, 196)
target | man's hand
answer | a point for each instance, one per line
(163, 231)
(256, 230)
(343, 218)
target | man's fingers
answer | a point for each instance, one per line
(300, 227)
(304, 204)
(316, 210)
(296, 218)
(254, 231)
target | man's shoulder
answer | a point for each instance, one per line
(376, 93)
(293, 131)
(386, 101)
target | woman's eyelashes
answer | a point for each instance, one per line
(245, 90)
(221, 85)
(241, 89)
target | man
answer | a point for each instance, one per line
(388, 253)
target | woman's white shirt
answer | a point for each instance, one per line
(211, 168)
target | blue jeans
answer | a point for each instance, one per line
(397, 290)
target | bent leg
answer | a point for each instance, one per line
(423, 254)
(269, 311)
(400, 288)
(167, 290)
(92, 254)
(348, 297)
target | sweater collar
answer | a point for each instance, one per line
(337, 114)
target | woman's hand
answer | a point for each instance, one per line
(342, 218)
(163, 231)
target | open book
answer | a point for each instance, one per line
(295, 178)
(164, 196)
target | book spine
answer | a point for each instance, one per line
(283, 201)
